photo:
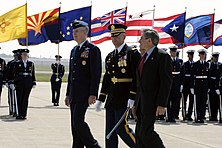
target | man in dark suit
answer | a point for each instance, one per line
(119, 87)
(154, 80)
(83, 84)
(56, 79)
(24, 81)
(2, 75)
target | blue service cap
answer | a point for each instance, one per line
(58, 56)
(78, 23)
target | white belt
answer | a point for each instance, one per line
(187, 75)
(175, 73)
(213, 78)
(201, 77)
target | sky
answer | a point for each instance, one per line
(163, 8)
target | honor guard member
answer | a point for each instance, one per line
(9, 80)
(185, 87)
(56, 79)
(199, 86)
(24, 81)
(119, 87)
(2, 75)
(173, 106)
(85, 69)
(214, 80)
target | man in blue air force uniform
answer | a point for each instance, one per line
(83, 84)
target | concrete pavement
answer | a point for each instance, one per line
(49, 127)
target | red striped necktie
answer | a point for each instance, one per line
(141, 63)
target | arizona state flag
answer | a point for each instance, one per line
(13, 24)
(42, 27)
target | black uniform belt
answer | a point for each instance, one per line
(119, 80)
(175, 72)
(25, 74)
(201, 77)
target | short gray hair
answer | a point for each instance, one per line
(85, 28)
(152, 34)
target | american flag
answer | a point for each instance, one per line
(99, 25)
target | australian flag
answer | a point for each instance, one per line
(42, 27)
(66, 19)
(199, 30)
(176, 28)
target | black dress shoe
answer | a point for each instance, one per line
(24, 117)
(220, 121)
(213, 119)
(189, 119)
(171, 120)
(18, 117)
(199, 121)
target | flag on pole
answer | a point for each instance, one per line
(176, 28)
(199, 30)
(135, 22)
(41, 27)
(66, 19)
(13, 24)
(218, 33)
(160, 23)
(99, 25)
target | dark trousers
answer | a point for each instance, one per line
(55, 88)
(214, 104)
(23, 89)
(125, 133)
(81, 133)
(146, 137)
(201, 88)
(173, 106)
(187, 93)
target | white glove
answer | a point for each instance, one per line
(208, 90)
(34, 86)
(130, 103)
(217, 91)
(181, 88)
(98, 106)
(12, 86)
(192, 91)
(57, 79)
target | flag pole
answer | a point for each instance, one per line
(212, 49)
(183, 37)
(59, 25)
(153, 16)
(90, 23)
(26, 24)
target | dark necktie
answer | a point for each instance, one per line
(141, 63)
(77, 51)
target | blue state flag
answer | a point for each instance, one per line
(66, 19)
(199, 30)
(176, 28)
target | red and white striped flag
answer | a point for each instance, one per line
(135, 22)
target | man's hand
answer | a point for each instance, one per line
(98, 106)
(217, 91)
(67, 103)
(160, 110)
(130, 103)
(181, 88)
(12, 86)
(92, 100)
